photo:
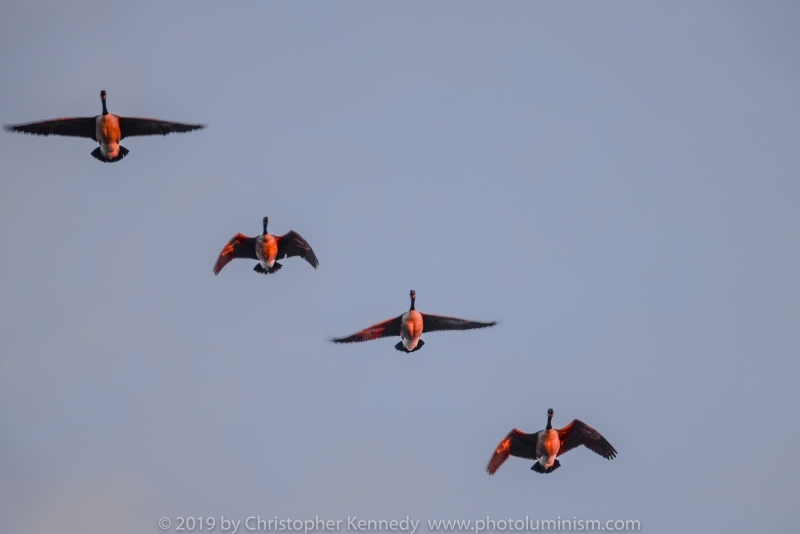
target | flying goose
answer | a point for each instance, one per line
(544, 446)
(266, 248)
(410, 327)
(106, 129)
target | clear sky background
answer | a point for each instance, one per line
(615, 183)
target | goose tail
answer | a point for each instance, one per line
(97, 154)
(540, 469)
(402, 348)
(275, 268)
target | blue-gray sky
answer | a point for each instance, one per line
(616, 183)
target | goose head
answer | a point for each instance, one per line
(413, 296)
(265, 221)
(103, 98)
(550, 413)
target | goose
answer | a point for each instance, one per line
(107, 129)
(546, 445)
(266, 248)
(410, 327)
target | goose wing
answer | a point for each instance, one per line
(240, 246)
(132, 126)
(432, 323)
(73, 127)
(385, 329)
(293, 244)
(516, 443)
(578, 433)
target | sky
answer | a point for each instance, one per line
(615, 183)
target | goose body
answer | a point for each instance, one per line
(108, 134)
(107, 129)
(545, 446)
(410, 326)
(267, 249)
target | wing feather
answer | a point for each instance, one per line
(70, 127)
(240, 246)
(516, 443)
(387, 328)
(433, 323)
(293, 244)
(133, 126)
(578, 433)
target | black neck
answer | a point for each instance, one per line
(412, 303)
(265, 228)
(549, 419)
(105, 111)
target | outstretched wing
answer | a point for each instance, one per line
(74, 127)
(385, 329)
(432, 323)
(516, 443)
(240, 246)
(578, 433)
(132, 126)
(293, 244)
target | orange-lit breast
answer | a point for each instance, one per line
(269, 249)
(411, 327)
(551, 443)
(108, 131)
